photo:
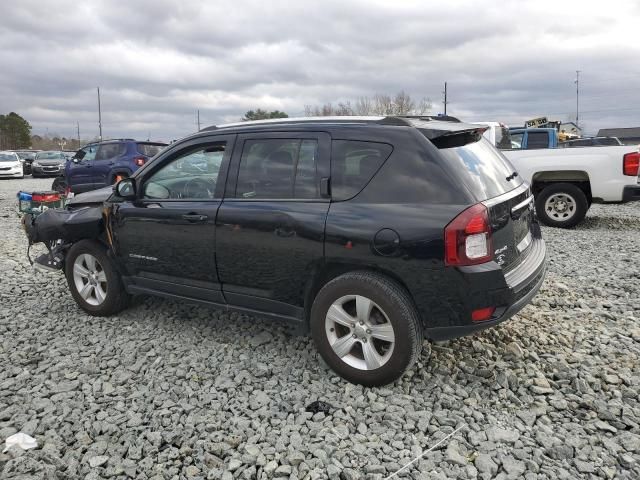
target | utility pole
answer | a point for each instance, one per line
(198, 120)
(78, 131)
(99, 115)
(577, 82)
(445, 98)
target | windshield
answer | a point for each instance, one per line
(8, 157)
(26, 155)
(50, 156)
(482, 169)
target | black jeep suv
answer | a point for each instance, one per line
(374, 233)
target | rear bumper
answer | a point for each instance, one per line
(631, 193)
(520, 285)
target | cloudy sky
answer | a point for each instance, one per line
(158, 61)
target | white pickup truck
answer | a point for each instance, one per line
(565, 181)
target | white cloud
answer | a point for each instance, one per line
(158, 61)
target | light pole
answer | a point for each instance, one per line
(99, 115)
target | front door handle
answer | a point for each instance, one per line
(194, 218)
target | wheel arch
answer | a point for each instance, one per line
(327, 271)
(579, 178)
(119, 171)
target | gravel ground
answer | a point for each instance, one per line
(169, 390)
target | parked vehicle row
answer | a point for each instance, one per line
(373, 233)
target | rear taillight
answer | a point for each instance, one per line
(467, 238)
(482, 314)
(45, 197)
(139, 161)
(630, 164)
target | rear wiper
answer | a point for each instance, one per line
(512, 176)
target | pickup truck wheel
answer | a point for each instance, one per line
(366, 328)
(94, 282)
(561, 205)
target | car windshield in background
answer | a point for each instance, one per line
(503, 138)
(26, 155)
(483, 169)
(150, 149)
(7, 157)
(50, 156)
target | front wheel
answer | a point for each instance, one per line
(562, 205)
(59, 184)
(93, 281)
(366, 328)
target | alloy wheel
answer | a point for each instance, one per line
(360, 332)
(90, 279)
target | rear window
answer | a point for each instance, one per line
(353, 165)
(537, 140)
(482, 169)
(149, 149)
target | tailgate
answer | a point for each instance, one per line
(512, 218)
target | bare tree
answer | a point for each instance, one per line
(380, 104)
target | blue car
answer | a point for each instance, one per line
(104, 163)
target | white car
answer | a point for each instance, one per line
(10, 165)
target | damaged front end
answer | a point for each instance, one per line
(58, 229)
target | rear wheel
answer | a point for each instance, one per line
(93, 281)
(562, 205)
(366, 328)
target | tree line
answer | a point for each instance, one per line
(15, 132)
(380, 104)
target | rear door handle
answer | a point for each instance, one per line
(194, 218)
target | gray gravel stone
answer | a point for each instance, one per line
(170, 390)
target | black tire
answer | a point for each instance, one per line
(400, 311)
(59, 184)
(575, 212)
(116, 299)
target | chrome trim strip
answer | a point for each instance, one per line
(522, 204)
(524, 186)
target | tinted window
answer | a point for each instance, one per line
(192, 175)
(149, 149)
(278, 168)
(537, 140)
(353, 165)
(110, 150)
(482, 168)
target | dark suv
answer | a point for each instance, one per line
(374, 233)
(103, 163)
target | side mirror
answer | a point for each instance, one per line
(126, 188)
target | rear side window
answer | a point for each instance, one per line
(278, 169)
(537, 140)
(149, 149)
(482, 169)
(110, 150)
(353, 165)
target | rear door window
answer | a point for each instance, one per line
(278, 169)
(353, 165)
(149, 149)
(483, 169)
(110, 150)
